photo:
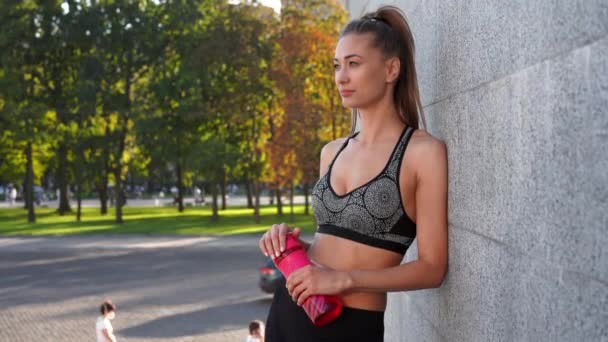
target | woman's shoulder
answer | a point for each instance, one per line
(328, 152)
(424, 147)
(426, 139)
(331, 148)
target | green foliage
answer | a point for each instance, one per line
(194, 90)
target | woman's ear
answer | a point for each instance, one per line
(393, 67)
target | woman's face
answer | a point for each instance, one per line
(111, 315)
(363, 75)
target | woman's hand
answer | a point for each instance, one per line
(315, 279)
(272, 242)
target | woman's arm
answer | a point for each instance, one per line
(414, 275)
(431, 225)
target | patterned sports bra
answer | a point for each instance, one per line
(371, 214)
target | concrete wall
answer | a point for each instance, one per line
(519, 92)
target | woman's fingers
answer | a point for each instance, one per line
(303, 296)
(276, 246)
(296, 232)
(294, 279)
(301, 291)
(297, 291)
(273, 242)
(283, 230)
(268, 242)
(295, 284)
(262, 244)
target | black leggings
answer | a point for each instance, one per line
(287, 322)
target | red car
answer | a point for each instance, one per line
(270, 277)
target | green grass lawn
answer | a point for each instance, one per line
(152, 220)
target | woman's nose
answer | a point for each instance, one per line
(341, 76)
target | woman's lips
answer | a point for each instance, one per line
(346, 93)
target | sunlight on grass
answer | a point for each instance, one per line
(151, 220)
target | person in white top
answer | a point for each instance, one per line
(256, 331)
(103, 327)
(13, 196)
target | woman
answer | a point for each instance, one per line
(103, 327)
(379, 189)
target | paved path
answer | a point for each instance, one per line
(166, 288)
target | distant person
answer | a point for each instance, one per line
(199, 196)
(256, 331)
(123, 198)
(7, 193)
(13, 196)
(103, 327)
(38, 195)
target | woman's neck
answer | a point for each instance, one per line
(379, 123)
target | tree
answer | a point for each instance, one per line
(24, 116)
(129, 47)
(309, 31)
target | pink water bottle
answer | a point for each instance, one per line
(321, 309)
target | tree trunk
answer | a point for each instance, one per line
(270, 196)
(62, 179)
(132, 182)
(78, 191)
(119, 198)
(256, 208)
(279, 201)
(24, 184)
(29, 185)
(102, 189)
(214, 194)
(103, 186)
(306, 212)
(291, 201)
(223, 190)
(248, 186)
(149, 184)
(118, 195)
(180, 188)
(78, 202)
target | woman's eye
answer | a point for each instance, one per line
(353, 63)
(336, 67)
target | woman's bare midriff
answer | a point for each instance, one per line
(345, 255)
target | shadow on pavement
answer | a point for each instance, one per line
(200, 322)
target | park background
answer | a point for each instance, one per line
(139, 110)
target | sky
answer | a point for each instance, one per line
(276, 4)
